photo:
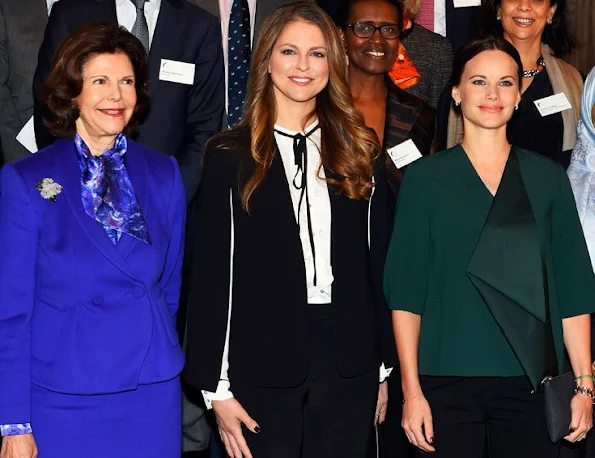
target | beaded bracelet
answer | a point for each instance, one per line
(585, 392)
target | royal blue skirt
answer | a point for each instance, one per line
(143, 423)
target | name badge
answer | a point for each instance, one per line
(553, 104)
(404, 153)
(175, 71)
(26, 136)
(466, 3)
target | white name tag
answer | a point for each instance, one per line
(404, 153)
(553, 104)
(466, 3)
(26, 136)
(176, 71)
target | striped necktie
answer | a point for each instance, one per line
(238, 63)
(140, 29)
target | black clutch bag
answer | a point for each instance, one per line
(558, 392)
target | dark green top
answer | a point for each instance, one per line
(441, 211)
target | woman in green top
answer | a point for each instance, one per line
(489, 279)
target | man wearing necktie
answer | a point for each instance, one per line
(186, 79)
(240, 23)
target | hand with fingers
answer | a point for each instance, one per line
(230, 416)
(381, 404)
(417, 422)
(19, 446)
(581, 421)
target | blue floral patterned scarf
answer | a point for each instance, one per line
(107, 192)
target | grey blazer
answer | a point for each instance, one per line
(432, 56)
(21, 32)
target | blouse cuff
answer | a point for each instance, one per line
(15, 429)
(384, 372)
(223, 392)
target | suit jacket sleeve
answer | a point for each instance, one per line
(379, 237)
(18, 245)
(10, 121)
(205, 106)
(209, 297)
(55, 33)
(172, 277)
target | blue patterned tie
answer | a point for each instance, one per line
(238, 53)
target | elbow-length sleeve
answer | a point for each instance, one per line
(574, 274)
(210, 277)
(408, 258)
(19, 235)
(176, 215)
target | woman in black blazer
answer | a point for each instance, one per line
(284, 310)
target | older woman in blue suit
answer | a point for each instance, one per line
(91, 239)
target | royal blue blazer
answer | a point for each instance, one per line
(78, 314)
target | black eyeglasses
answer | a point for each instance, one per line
(367, 30)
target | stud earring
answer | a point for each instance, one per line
(516, 107)
(498, 17)
(457, 104)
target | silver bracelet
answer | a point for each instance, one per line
(585, 391)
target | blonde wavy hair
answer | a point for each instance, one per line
(347, 145)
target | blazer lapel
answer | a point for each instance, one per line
(263, 9)
(138, 170)
(212, 6)
(70, 178)
(103, 11)
(399, 120)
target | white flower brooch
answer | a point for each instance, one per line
(48, 189)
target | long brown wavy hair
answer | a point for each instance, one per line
(347, 145)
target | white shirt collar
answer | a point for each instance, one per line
(155, 3)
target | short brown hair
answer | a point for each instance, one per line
(65, 82)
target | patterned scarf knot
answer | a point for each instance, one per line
(107, 192)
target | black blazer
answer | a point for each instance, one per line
(182, 117)
(268, 337)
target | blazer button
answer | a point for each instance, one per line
(97, 299)
(138, 292)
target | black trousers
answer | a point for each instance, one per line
(327, 416)
(500, 412)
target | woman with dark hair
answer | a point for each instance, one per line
(91, 236)
(283, 272)
(370, 30)
(489, 279)
(404, 124)
(539, 32)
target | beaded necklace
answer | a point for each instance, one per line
(540, 66)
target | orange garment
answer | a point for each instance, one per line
(403, 72)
